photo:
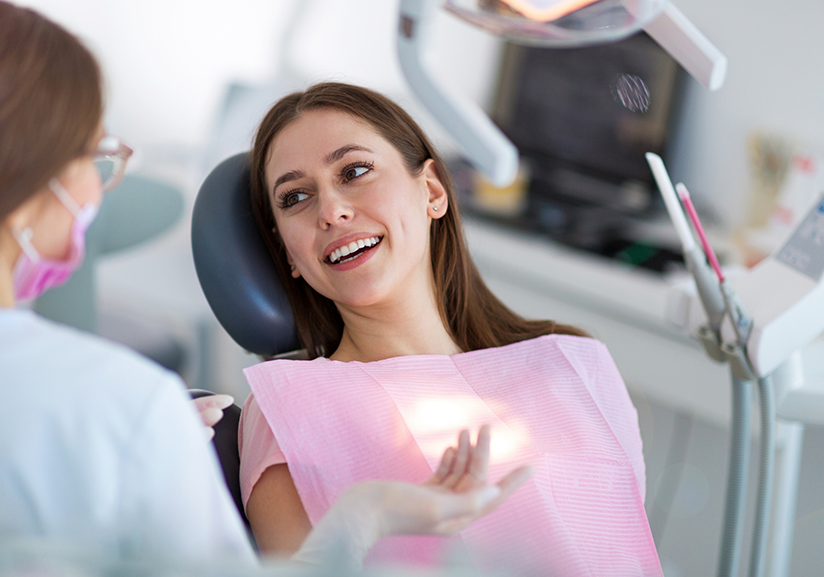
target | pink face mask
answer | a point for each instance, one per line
(33, 274)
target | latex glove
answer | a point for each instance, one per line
(456, 495)
(211, 408)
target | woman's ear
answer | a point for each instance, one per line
(438, 202)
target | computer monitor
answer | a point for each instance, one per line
(582, 120)
(594, 110)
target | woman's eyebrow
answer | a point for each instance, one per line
(343, 151)
(287, 177)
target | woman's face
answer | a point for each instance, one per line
(50, 220)
(355, 223)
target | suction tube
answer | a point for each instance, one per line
(734, 509)
(765, 477)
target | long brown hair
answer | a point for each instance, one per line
(474, 317)
(50, 103)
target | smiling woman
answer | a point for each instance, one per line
(326, 121)
(359, 215)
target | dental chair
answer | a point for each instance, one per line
(233, 265)
(241, 285)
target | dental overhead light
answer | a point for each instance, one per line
(553, 23)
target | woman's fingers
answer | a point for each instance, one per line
(460, 509)
(444, 469)
(211, 408)
(509, 484)
(479, 459)
(461, 460)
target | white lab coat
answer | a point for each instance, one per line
(101, 452)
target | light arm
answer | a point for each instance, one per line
(689, 47)
(483, 143)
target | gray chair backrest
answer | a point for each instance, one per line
(233, 264)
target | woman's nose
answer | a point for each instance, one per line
(333, 208)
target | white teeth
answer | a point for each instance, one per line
(353, 246)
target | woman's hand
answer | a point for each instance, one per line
(457, 494)
(211, 408)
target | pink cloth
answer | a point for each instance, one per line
(557, 402)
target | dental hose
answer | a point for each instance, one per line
(734, 509)
(765, 477)
(720, 300)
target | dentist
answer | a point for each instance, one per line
(101, 452)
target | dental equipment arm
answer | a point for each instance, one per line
(783, 295)
(691, 49)
(723, 300)
(483, 143)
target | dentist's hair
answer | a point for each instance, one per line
(51, 103)
(474, 317)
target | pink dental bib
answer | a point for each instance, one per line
(557, 402)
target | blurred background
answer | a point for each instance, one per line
(187, 82)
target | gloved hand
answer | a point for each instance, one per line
(211, 408)
(456, 495)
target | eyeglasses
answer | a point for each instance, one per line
(110, 160)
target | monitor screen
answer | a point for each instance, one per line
(590, 111)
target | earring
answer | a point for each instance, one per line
(292, 267)
(435, 208)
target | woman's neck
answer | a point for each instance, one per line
(394, 330)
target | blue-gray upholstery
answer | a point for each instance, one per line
(234, 266)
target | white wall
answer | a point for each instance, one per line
(167, 62)
(775, 84)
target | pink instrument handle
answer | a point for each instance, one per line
(684, 195)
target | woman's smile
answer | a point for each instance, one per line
(353, 250)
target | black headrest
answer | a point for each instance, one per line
(234, 266)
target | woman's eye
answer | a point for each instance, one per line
(354, 172)
(292, 198)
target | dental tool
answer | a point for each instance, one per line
(686, 200)
(742, 377)
(743, 374)
(706, 284)
(740, 320)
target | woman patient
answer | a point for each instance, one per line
(408, 344)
